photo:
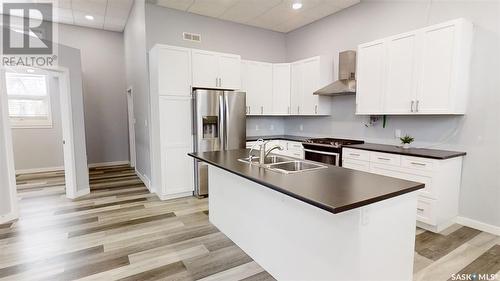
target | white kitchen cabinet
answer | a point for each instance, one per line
(281, 88)
(425, 71)
(438, 201)
(257, 82)
(174, 80)
(170, 126)
(305, 75)
(370, 78)
(215, 70)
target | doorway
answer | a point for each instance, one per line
(28, 106)
(131, 126)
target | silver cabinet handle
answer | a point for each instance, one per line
(382, 158)
(249, 110)
(420, 209)
(316, 109)
(416, 106)
(216, 82)
(288, 110)
(419, 164)
(298, 109)
(354, 154)
(411, 106)
(262, 110)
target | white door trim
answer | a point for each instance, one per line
(131, 126)
(9, 152)
(67, 130)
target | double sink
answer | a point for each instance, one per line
(282, 164)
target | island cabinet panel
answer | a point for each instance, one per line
(438, 201)
(294, 240)
(425, 71)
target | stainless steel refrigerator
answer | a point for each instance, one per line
(219, 118)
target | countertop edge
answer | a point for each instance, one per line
(334, 210)
(454, 155)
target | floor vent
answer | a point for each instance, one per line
(191, 37)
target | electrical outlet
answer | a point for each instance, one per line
(397, 133)
(301, 127)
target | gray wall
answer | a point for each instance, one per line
(47, 150)
(165, 26)
(104, 86)
(137, 78)
(476, 132)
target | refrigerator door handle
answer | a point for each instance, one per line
(222, 122)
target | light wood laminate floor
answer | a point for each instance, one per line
(122, 232)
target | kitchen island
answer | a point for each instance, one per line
(324, 224)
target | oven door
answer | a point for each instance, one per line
(326, 157)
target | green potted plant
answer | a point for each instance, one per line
(406, 141)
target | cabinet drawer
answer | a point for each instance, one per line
(356, 154)
(356, 165)
(293, 145)
(417, 163)
(385, 158)
(426, 210)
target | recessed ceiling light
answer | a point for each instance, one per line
(89, 17)
(296, 5)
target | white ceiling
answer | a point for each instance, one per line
(276, 15)
(108, 14)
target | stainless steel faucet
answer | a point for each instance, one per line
(264, 153)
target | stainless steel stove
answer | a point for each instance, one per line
(326, 150)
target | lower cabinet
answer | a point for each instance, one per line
(437, 204)
(292, 149)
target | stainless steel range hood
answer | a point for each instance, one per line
(346, 85)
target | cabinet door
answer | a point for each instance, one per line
(174, 71)
(370, 78)
(257, 83)
(295, 84)
(281, 88)
(401, 83)
(205, 69)
(436, 67)
(229, 71)
(175, 142)
(309, 84)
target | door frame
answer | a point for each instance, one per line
(63, 75)
(131, 126)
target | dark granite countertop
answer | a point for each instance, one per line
(417, 152)
(278, 137)
(334, 189)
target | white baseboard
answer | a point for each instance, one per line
(39, 170)
(478, 225)
(175, 195)
(8, 217)
(144, 179)
(79, 193)
(107, 164)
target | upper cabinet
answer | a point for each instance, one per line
(215, 70)
(419, 72)
(281, 88)
(305, 79)
(175, 81)
(257, 82)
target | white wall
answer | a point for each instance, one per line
(104, 86)
(476, 133)
(137, 78)
(39, 148)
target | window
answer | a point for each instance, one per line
(29, 100)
